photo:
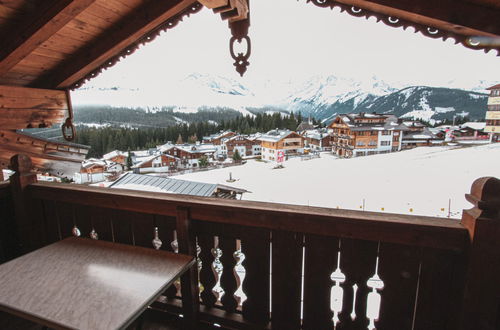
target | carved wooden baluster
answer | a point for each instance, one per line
(257, 269)
(321, 256)
(286, 279)
(207, 275)
(376, 284)
(398, 268)
(357, 261)
(228, 279)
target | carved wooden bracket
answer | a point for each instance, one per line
(232, 10)
(237, 13)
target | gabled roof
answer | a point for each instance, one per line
(276, 135)
(494, 87)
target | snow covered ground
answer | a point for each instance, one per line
(418, 181)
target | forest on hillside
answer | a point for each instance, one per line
(105, 139)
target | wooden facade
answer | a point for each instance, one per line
(365, 134)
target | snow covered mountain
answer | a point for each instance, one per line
(429, 103)
(322, 96)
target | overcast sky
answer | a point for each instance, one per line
(295, 40)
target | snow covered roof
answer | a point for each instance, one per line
(114, 153)
(217, 135)
(197, 148)
(171, 186)
(144, 160)
(474, 125)
(275, 135)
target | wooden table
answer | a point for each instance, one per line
(79, 283)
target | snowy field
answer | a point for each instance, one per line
(419, 181)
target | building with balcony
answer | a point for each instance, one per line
(280, 142)
(365, 134)
(493, 114)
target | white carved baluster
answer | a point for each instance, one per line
(240, 272)
(157, 243)
(374, 298)
(217, 266)
(93, 234)
(337, 293)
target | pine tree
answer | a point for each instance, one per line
(203, 161)
(129, 160)
(179, 140)
(236, 156)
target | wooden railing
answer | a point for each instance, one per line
(304, 267)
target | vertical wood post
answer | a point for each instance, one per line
(1, 175)
(481, 305)
(25, 227)
(189, 281)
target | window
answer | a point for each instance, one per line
(385, 143)
(372, 143)
(373, 133)
(360, 143)
(396, 134)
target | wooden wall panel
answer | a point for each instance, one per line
(22, 107)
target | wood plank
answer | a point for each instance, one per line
(14, 91)
(398, 268)
(127, 31)
(143, 229)
(286, 279)
(189, 281)
(52, 228)
(439, 298)
(357, 261)
(30, 118)
(102, 224)
(320, 262)
(207, 274)
(257, 263)
(34, 32)
(391, 228)
(228, 280)
(123, 227)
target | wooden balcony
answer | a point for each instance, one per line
(304, 267)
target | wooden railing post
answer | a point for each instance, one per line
(189, 281)
(26, 229)
(481, 305)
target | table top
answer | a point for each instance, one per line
(79, 283)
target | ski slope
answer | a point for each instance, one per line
(420, 181)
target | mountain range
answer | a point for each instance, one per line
(322, 97)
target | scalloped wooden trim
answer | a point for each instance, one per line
(169, 24)
(472, 42)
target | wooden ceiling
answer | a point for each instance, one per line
(58, 44)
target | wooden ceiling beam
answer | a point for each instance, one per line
(128, 30)
(458, 16)
(35, 30)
